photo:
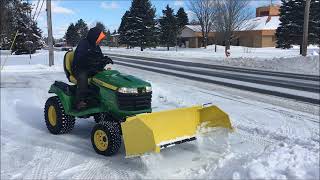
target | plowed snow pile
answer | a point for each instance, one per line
(270, 142)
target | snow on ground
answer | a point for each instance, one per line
(270, 142)
(273, 59)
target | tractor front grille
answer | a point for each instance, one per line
(134, 102)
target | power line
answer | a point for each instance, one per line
(40, 10)
(35, 12)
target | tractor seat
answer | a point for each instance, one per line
(67, 65)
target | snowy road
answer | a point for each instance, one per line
(269, 142)
(299, 87)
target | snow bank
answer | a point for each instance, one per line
(303, 65)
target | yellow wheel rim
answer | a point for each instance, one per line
(52, 115)
(100, 140)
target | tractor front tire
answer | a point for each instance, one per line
(56, 120)
(106, 138)
(99, 117)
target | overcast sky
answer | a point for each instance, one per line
(109, 12)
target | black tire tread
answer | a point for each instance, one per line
(99, 117)
(65, 123)
(114, 137)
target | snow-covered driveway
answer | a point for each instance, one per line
(269, 142)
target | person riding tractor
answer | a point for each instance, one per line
(121, 105)
(88, 61)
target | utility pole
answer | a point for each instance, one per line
(50, 38)
(305, 28)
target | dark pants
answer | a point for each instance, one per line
(82, 86)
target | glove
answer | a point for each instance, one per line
(107, 60)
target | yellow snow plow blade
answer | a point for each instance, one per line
(151, 132)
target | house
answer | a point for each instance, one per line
(114, 40)
(191, 36)
(261, 32)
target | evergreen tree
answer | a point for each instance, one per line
(4, 26)
(142, 28)
(8, 23)
(314, 22)
(72, 36)
(182, 18)
(124, 29)
(82, 30)
(22, 25)
(36, 37)
(15, 16)
(290, 30)
(168, 24)
(108, 38)
(27, 28)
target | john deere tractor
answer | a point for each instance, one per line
(121, 108)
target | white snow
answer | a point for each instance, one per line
(273, 59)
(262, 23)
(283, 161)
(269, 141)
(195, 28)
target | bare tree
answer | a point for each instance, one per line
(204, 10)
(231, 16)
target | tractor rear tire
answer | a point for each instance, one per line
(106, 138)
(56, 120)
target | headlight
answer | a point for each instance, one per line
(128, 90)
(148, 89)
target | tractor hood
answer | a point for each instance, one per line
(113, 79)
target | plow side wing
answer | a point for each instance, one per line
(150, 131)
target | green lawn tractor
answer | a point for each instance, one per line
(122, 111)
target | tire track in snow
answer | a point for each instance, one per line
(39, 164)
(47, 163)
(91, 169)
(265, 137)
(99, 169)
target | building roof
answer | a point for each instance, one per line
(257, 23)
(195, 28)
(263, 23)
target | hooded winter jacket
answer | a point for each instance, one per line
(87, 53)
